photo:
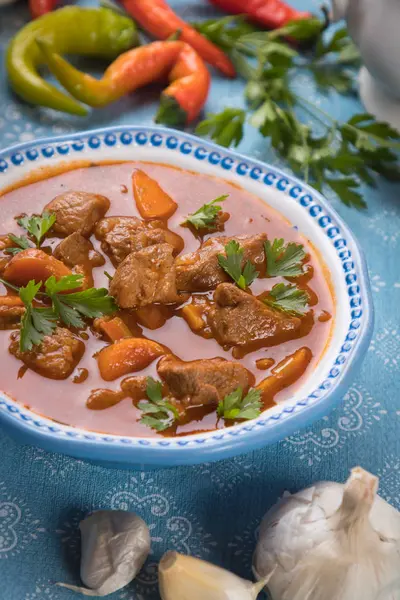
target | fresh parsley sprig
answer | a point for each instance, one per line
(35, 322)
(36, 226)
(232, 264)
(226, 127)
(206, 215)
(289, 299)
(69, 308)
(20, 243)
(284, 260)
(158, 413)
(234, 406)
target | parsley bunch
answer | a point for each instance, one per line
(342, 157)
(36, 226)
(69, 308)
(158, 413)
(234, 406)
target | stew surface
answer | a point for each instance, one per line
(267, 349)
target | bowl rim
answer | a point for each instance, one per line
(44, 432)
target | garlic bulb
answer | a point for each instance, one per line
(332, 542)
(188, 578)
(115, 544)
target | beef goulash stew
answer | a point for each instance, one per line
(140, 299)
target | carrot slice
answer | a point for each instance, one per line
(10, 301)
(33, 264)
(151, 316)
(115, 329)
(286, 372)
(127, 356)
(151, 200)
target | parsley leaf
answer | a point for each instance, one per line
(288, 298)
(158, 413)
(35, 322)
(93, 302)
(37, 226)
(206, 214)
(233, 407)
(232, 264)
(226, 128)
(21, 243)
(68, 308)
(284, 261)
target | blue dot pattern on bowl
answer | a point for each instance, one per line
(188, 145)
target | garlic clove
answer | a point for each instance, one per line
(115, 545)
(188, 578)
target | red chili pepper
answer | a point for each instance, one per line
(270, 13)
(41, 7)
(158, 19)
(181, 101)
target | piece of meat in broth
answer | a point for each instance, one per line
(200, 270)
(77, 250)
(77, 212)
(120, 236)
(239, 319)
(11, 310)
(204, 381)
(146, 277)
(56, 357)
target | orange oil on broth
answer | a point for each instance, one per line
(66, 401)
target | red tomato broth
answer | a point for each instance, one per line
(65, 400)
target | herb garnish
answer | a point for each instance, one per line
(226, 127)
(205, 216)
(35, 322)
(68, 308)
(21, 243)
(36, 226)
(159, 414)
(232, 264)
(288, 298)
(344, 155)
(233, 406)
(284, 260)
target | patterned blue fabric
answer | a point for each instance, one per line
(212, 510)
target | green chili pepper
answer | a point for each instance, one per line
(99, 32)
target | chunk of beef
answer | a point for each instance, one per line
(204, 381)
(200, 270)
(77, 250)
(145, 277)
(56, 357)
(240, 319)
(77, 211)
(11, 310)
(135, 386)
(120, 236)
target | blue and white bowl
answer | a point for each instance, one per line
(304, 207)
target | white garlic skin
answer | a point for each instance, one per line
(188, 578)
(109, 533)
(298, 531)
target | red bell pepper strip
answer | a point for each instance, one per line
(41, 7)
(158, 19)
(181, 101)
(269, 13)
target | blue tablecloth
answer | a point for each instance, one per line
(212, 510)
